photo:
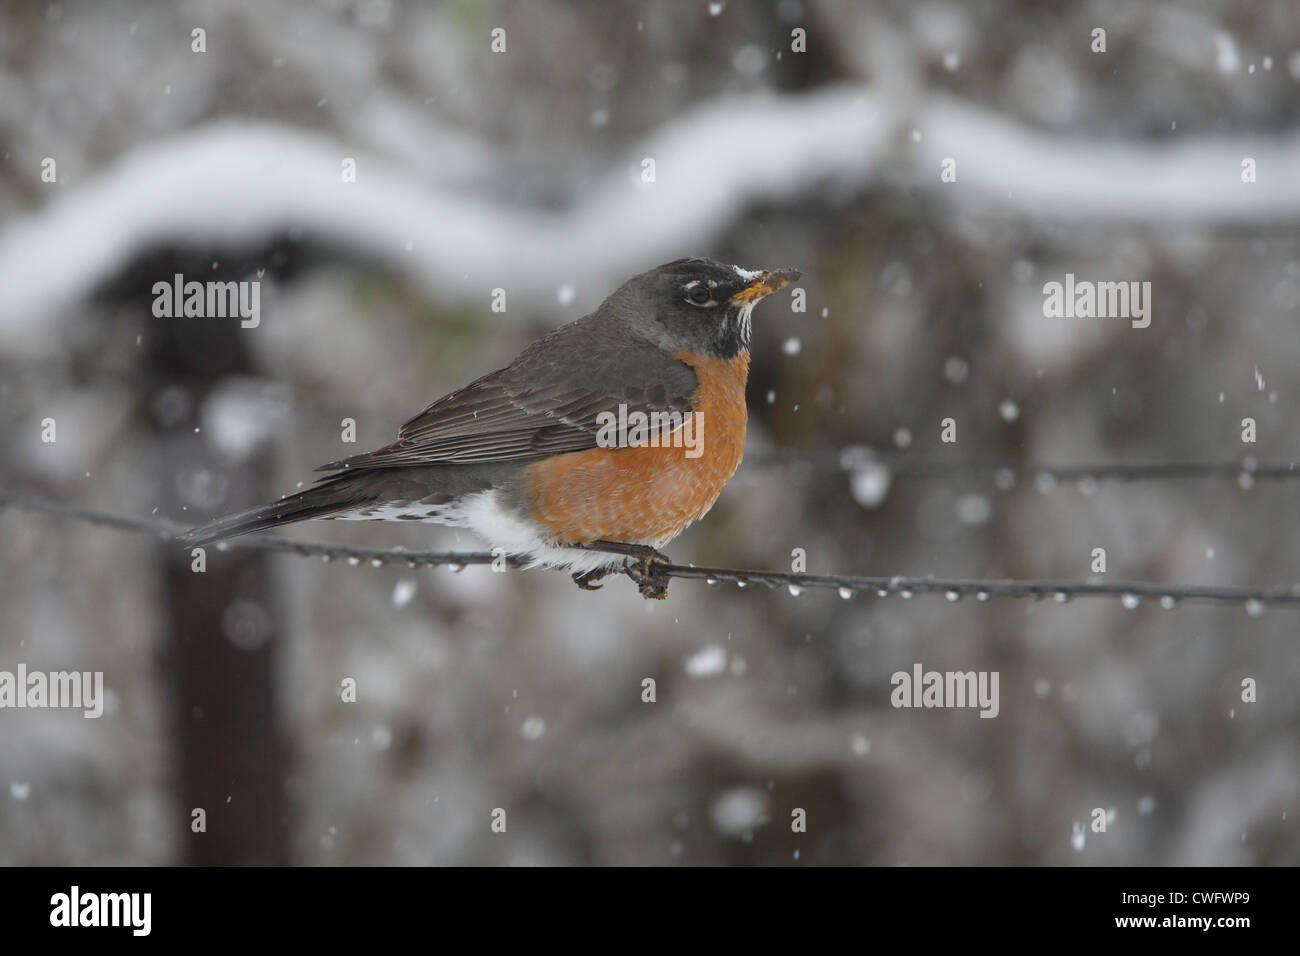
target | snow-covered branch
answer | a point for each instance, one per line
(242, 183)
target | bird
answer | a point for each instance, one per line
(598, 445)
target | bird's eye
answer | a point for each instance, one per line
(699, 294)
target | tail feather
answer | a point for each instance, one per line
(331, 497)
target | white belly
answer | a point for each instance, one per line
(500, 527)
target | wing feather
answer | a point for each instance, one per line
(542, 404)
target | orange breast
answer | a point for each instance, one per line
(647, 495)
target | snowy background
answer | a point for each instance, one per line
(521, 170)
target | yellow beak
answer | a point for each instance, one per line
(764, 284)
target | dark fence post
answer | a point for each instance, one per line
(222, 625)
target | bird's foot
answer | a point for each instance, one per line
(586, 579)
(648, 574)
(642, 563)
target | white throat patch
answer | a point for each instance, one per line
(746, 328)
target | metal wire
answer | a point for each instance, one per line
(1131, 594)
(850, 458)
(1007, 474)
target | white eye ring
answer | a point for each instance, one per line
(690, 290)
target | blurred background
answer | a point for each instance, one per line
(792, 133)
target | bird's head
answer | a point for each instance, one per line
(698, 304)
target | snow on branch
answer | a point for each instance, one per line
(241, 183)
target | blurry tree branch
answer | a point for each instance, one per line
(245, 182)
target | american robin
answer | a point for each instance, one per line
(599, 444)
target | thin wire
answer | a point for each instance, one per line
(852, 458)
(1009, 473)
(167, 530)
(1130, 593)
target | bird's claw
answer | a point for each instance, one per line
(649, 575)
(586, 579)
(642, 563)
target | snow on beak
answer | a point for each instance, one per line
(762, 284)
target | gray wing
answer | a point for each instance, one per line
(545, 403)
